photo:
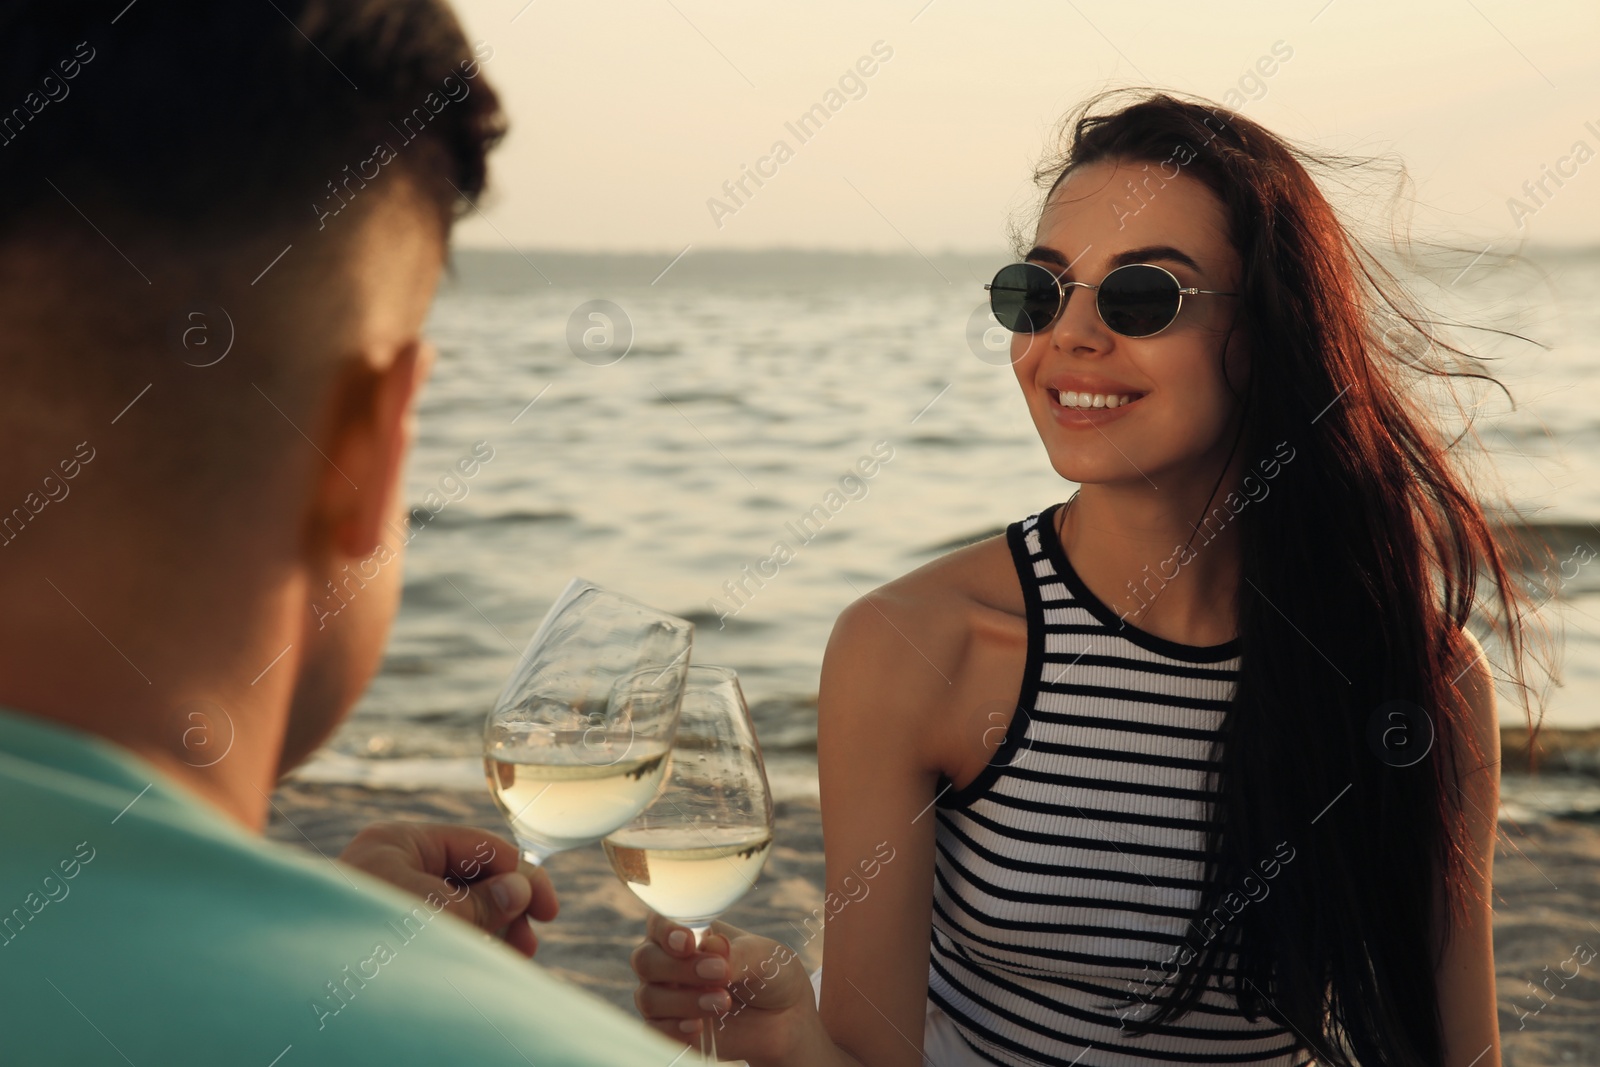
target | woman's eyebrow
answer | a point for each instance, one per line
(1149, 252)
(1044, 254)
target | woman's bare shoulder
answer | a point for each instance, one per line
(910, 637)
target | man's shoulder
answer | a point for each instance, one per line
(180, 940)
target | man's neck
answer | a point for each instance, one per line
(206, 704)
(226, 751)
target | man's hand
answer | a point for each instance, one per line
(480, 877)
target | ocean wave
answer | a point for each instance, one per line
(788, 778)
(696, 396)
(331, 767)
(456, 519)
(1527, 798)
(786, 724)
(1560, 537)
(710, 619)
(1557, 751)
(957, 542)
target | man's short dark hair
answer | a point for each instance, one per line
(203, 118)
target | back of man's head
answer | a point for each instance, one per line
(210, 117)
(162, 146)
(209, 211)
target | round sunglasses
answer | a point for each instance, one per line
(1134, 300)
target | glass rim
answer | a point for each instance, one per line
(577, 586)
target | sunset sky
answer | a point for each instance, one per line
(629, 115)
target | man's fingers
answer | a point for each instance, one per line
(489, 905)
(462, 853)
(452, 897)
(520, 936)
(543, 906)
(475, 875)
(498, 900)
(466, 852)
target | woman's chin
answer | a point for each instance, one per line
(1084, 466)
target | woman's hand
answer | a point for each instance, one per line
(754, 992)
(478, 877)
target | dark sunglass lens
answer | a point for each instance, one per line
(1139, 300)
(1024, 297)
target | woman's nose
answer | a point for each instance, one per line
(1078, 326)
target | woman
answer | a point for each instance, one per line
(1248, 619)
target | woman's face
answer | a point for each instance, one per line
(1176, 426)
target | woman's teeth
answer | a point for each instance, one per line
(1095, 400)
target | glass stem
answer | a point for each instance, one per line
(708, 1037)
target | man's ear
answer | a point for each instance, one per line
(372, 426)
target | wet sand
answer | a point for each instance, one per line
(1547, 904)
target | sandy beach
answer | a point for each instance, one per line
(1547, 905)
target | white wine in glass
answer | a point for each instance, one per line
(694, 852)
(689, 875)
(556, 799)
(580, 739)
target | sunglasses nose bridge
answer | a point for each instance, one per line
(1080, 316)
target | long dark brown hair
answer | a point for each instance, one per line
(1359, 571)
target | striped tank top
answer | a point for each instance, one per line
(1065, 873)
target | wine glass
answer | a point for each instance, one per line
(580, 738)
(698, 848)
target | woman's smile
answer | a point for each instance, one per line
(1079, 401)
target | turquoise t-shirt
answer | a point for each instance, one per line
(137, 925)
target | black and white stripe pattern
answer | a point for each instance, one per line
(1065, 872)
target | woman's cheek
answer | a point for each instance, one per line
(1192, 402)
(1023, 355)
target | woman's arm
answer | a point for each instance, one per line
(882, 713)
(1465, 977)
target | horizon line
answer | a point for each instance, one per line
(1591, 245)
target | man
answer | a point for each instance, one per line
(221, 225)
